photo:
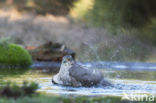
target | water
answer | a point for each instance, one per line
(127, 85)
(127, 79)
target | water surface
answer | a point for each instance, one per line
(126, 81)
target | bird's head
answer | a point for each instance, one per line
(68, 61)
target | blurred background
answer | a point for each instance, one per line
(112, 30)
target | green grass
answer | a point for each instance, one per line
(12, 54)
(56, 99)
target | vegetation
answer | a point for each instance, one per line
(148, 31)
(12, 93)
(12, 54)
(120, 16)
(132, 18)
(57, 7)
(11, 90)
(54, 99)
(127, 13)
(81, 8)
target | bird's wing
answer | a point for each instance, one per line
(86, 76)
(56, 80)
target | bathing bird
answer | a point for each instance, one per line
(76, 75)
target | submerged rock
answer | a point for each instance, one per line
(73, 74)
(50, 52)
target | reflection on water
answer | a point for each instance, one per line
(129, 82)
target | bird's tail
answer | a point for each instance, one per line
(105, 83)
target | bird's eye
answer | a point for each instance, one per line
(65, 61)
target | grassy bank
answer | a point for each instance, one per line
(55, 99)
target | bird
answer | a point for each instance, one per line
(76, 75)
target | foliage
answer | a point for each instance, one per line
(12, 90)
(81, 8)
(57, 7)
(12, 54)
(148, 32)
(54, 6)
(120, 16)
(127, 13)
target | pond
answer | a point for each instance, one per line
(126, 80)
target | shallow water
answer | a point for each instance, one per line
(125, 81)
(121, 87)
